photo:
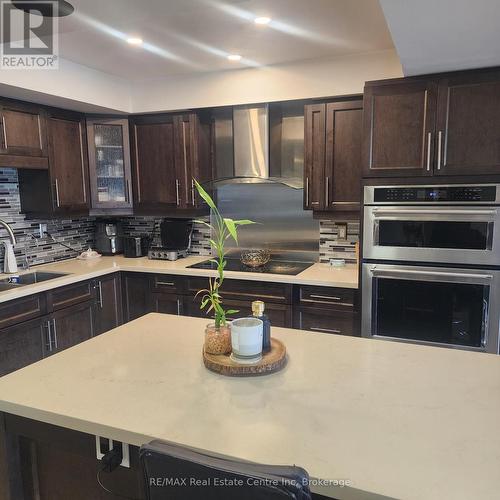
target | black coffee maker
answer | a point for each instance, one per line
(175, 237)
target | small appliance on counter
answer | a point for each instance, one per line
(108, 237)
(175, 236)
(135, 246)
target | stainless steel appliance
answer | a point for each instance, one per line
(431, 265)
(108, 237)
(175, 237)
(439, 224)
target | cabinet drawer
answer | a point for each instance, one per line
(316, 320)
(342, 299)
(278, 293)
(23, 309)
(167, 303)
(69, 295)
(164, 283)
(279, 314)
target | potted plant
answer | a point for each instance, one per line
(218, 334)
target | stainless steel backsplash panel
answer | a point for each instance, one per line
(284, 228)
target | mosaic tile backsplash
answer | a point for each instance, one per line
(330, 247)
(76, 233)
(138, 225)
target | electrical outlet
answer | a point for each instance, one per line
(341, 231)
(103, 445)
(42, 229)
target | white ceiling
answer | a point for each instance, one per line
(194, 36)
(444, 35)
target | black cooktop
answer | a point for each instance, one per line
(272, 267)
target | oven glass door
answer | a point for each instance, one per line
(431, 305)
(432, 234)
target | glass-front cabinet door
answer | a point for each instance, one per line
(109, 163)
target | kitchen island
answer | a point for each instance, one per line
(385, 419)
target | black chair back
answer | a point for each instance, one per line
(173, 472)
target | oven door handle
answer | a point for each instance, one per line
(411, 274)
(436, 212)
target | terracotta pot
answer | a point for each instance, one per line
(217, 340)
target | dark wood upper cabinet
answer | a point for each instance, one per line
(154, 173)
(314, 156)
(68, 167)
(398, 130)
(468, 124)
(23, 139)
(343, 172)
(169, 152)
(109, 163)
(23, 130)
(332, 156)
(63, 189)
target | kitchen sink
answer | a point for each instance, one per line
(29, 279)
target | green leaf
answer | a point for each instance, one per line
(232, 311)
(205, 195)
(244, 222)
(231, 228)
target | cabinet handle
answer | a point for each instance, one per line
(127, 191)
(184, 151)
(57, 194)
(440, 134)
(429, 137)
(307, 191)
(327, 192)
(48, 344)
(55, 332)
(4, 133)
(328, 297)
(165, 283)
(192, 191)
(98, 287)
(177, 201)
(178, 307)
(326, 330)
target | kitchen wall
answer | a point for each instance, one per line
(331, 247)
(78, 233)
(140, 225)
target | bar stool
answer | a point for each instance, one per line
(173, 472)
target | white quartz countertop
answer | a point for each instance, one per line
(79, 270)
(396, 420)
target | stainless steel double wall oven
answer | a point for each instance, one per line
(431, 265)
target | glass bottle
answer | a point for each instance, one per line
(258, 308)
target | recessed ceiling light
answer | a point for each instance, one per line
(134, 40)
(234, 57)
(262, 20)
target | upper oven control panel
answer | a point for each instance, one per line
(484, 194)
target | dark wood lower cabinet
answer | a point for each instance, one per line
(168, 303)
(22, 344)
(45, 462)
(71, 326)
(109, 312)
(324, 321)
(136, 295)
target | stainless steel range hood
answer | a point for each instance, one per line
(242, 148)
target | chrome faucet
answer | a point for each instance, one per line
(9, 230)
(10, 264)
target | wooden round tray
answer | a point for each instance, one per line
(271, 362)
